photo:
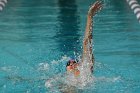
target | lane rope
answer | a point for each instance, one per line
(2, 4)
(135, 6)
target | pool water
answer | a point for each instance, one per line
(38, 37)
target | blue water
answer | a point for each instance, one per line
(38, 37)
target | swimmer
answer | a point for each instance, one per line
(87, 55)
(74, 69)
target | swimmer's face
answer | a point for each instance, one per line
(72, 67)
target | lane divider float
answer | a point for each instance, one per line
(2, 4)
(135, 7)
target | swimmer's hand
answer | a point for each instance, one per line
(96, 7)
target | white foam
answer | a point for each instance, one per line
(69, 79)
(9, 68)
(63, 59)
(48, 83)
(43, 66)
(84, 78)
(107, 79)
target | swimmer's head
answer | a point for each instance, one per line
(71, 62)
(72, 67)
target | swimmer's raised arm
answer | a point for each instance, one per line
(87, 42)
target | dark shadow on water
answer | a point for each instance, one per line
(67, 35)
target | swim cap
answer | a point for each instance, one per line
(71, 60)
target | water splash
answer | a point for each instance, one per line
(68, 83)
(64, 81)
